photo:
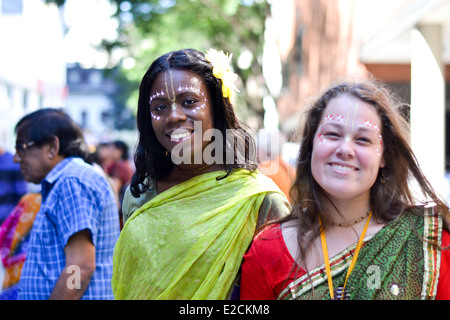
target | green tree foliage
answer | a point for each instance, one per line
(151, 28)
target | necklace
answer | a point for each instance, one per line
(350, 223)
(192, 171)
(352, 263)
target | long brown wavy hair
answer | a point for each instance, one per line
(389, 198)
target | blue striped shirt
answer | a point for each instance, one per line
(75, 197)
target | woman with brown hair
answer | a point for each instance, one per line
(357, 229)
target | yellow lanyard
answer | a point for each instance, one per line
(353, 262)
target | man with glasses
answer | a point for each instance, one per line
(74, 233)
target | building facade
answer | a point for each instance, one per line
(89, 100)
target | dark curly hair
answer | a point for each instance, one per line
(150, 159)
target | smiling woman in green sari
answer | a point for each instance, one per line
(356, 229)
(196, 197)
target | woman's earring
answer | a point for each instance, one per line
(382, 178)
(167, 154)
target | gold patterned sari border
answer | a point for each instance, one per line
(432, 253)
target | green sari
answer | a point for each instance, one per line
(188, 241)
(394, 264)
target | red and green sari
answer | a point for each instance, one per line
(400, 262)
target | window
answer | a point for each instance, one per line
(95, 78)
(84, 119)
(74, 76)
(25, 99)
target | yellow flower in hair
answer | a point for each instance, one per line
(221, 63)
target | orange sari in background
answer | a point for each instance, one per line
(280, 172)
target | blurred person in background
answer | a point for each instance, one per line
(119, 169)
(100, 157)
(71, 245)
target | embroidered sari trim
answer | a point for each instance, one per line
(432, 253)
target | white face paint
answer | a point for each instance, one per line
(168, 94)
(347, 150)
(179, 100)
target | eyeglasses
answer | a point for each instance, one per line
(21, 148)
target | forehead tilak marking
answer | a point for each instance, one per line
(179, 89)
(355, 110)
(172, 99)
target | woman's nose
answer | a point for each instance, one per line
(176, 113)
(346, 149)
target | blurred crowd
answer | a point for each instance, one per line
(113, 157)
